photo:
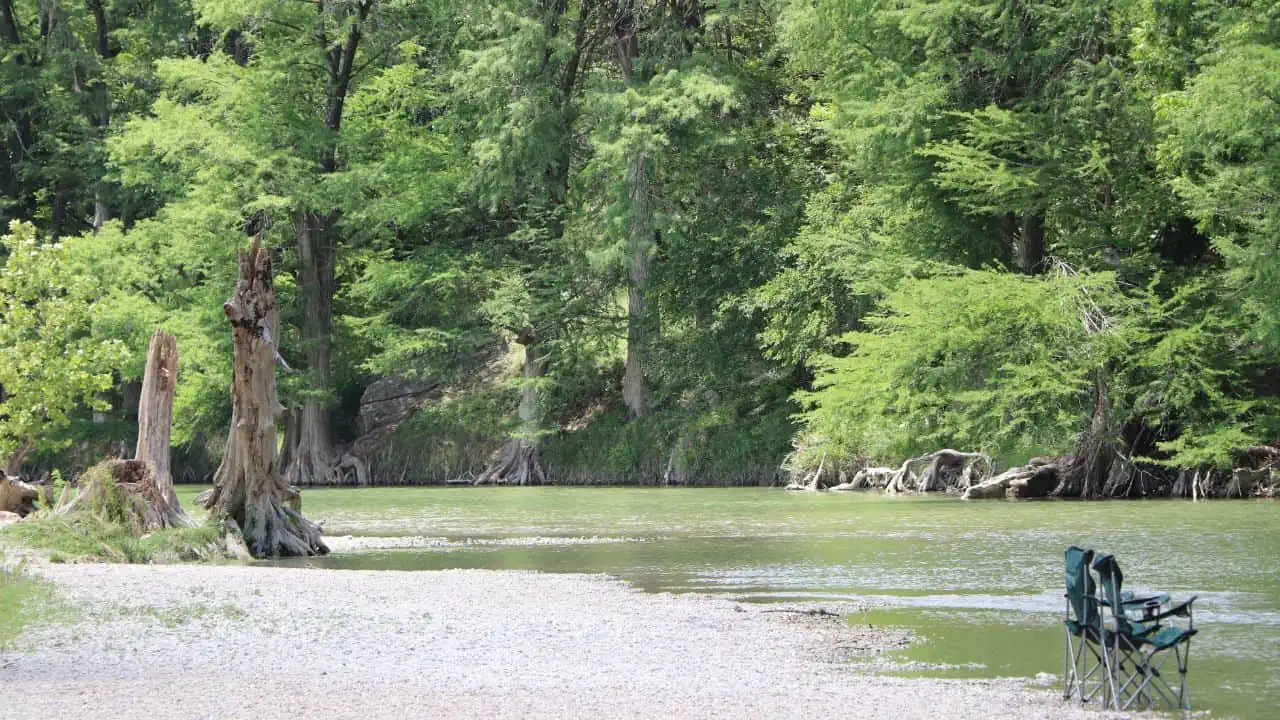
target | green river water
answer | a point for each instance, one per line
(981, 582)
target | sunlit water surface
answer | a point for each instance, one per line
(981, 581)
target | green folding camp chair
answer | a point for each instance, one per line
(1083, 671)
(1135, 652)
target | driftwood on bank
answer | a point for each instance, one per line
(249, 493)
(947, 470)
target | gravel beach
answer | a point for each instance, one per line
(189, 641)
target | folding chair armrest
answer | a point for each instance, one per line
(1144, 599)
(1182, 609)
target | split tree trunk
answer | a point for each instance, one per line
(1031, 247)
(155, 422)
(248, 488)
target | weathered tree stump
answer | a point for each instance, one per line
(155, 423)
(248, 487)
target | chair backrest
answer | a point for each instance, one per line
(1112, 582)
(1081, 590)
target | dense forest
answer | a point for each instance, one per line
(677, 242)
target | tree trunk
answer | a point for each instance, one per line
(1029, 252)
(248, 489)
(9, 23)
(634, 386)
(13, 464)
(516, 463)
(310, 459)
(1092, 468)
(640, 233)
(155, 421)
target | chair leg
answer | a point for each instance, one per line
(1068, 669)
(1184, 693)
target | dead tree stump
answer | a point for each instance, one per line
(155, 422)
(249, 490)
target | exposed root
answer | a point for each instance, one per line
(812, 481)
(515, 463)
(943, 470)
(1036, 479)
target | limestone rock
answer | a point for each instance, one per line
(392, 399)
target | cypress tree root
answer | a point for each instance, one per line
(515, 463)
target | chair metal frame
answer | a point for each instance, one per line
(1135, 652)
(1084, 669)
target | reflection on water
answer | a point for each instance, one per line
(980, 580)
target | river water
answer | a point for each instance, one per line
(980, 581)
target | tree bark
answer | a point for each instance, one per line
(155, 422)
(640, 233)
(248, 489)
(516, 463)
(9, 23)
(17, 496)
(313, 459)
(1029, 251)
(310, 456)
(13, 464)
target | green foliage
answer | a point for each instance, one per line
(981, 360)
(1225, 162)
(840, 203)
(50, 363)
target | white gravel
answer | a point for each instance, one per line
(188, 641)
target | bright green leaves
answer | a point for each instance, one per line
(50, 364)
(977, 360)
(1223, 149)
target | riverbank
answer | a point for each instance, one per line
(192, 641)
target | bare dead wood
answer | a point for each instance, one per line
(1026, 481)
(943, 469)
(155, 422)
(812, 481)
(248, 487)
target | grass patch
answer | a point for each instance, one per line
(85, 536)
(23, 600)
(177, 615)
